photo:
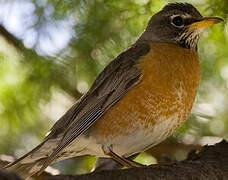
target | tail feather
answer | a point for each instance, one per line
(32, 163)
(26, 170)
(26, 166)
(26, 155)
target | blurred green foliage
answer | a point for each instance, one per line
(57, 49)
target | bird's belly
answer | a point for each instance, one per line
(141, 120)
(142, 139)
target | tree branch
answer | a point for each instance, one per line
(9, 37)
(30, 56)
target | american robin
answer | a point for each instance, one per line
(137, 101)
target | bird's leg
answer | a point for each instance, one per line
(125, 162)
(134, 164)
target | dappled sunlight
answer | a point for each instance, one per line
(82, 87)
(59, 103)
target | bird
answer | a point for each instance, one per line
(139, 99)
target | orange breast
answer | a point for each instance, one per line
(170, 78)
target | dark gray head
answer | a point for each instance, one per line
(179, 23)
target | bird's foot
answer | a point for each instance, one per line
(122, 160)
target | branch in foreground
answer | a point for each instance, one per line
(211, 163)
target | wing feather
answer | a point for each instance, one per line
(109, 87)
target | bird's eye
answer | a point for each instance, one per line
(178, 21)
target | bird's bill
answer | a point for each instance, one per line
(206, 22)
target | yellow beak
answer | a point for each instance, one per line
(206, 22)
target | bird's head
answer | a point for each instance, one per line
(179, 23)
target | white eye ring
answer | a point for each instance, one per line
(177, 21)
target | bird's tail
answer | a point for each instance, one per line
(29, 164)
(33, 162)
(26, 170)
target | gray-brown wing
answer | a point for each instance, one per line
(110, 86)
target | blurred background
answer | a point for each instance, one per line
(52, 50)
